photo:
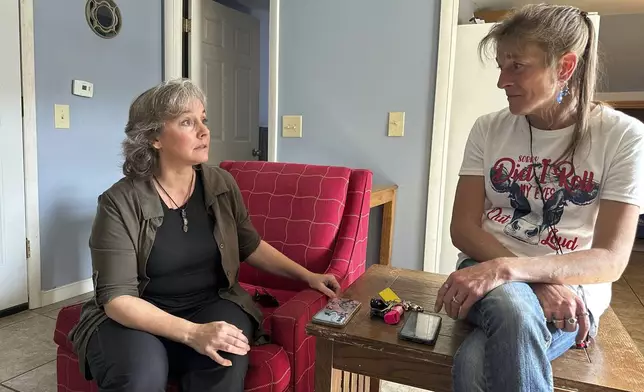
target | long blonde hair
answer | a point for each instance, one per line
(557, 30)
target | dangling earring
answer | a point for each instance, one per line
(564, 91)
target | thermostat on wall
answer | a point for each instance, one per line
(83, 88)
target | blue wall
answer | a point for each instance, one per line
(263, 16)
(343, 66)
(75, 165)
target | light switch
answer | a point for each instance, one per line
(396, 124)
(291, 126)
(61, 116)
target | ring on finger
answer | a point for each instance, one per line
(455, 300)
(558, 323)
(572, 320)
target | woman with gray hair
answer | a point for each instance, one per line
(166, 247)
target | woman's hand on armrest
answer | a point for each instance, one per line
(207, 339)
(271, 260)
(465, 229)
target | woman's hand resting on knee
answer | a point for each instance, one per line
(565, 309)
(208, 339)
(463, 288)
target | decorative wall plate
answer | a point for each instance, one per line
(103, 17)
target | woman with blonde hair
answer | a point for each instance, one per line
(166, 246)
(546, 206)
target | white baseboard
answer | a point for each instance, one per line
(66, 292)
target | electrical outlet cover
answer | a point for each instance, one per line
(61, 116)
(396, 124)
(291, 126)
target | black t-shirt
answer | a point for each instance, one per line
(183, 267)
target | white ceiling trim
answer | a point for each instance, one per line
(603, 7)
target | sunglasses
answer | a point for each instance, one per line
(265, 299)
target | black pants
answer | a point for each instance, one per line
(127, 360)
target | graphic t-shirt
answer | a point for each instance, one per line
(535, 205)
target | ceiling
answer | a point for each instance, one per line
(603, 7)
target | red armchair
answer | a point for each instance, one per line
(316, 215)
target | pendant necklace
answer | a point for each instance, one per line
(182, 210)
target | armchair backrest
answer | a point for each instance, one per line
(316, 215)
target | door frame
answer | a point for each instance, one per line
(30, 151)
(173, 50)
(448, 26)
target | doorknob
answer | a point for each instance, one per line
(256, 152)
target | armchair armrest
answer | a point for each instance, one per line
(288, 330)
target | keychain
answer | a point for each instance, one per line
(390, 307)
(391, 311)
(412, 306)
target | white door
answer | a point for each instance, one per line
(474, 93)
(13, 262)
(224, 61)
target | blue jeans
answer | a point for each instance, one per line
(512, 346)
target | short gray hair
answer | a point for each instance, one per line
(148, 114)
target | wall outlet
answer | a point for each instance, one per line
(291, 126)
(61, 116)
(396, 124)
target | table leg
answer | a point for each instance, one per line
(323, 364)
(374, 385)
(387, 234)
(336, 380)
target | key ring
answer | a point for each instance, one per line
(412, 306)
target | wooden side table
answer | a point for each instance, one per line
(385, 195)
(372, 349)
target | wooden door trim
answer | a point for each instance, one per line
(172, 38)
(622, 100)
(439, 133)
(30, 151)
(626, 104)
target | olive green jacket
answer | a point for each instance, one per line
(127, 218)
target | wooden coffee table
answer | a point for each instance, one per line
(371, 348)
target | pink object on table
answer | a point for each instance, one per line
(393, 316)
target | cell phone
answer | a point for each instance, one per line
(337, 313)
(421, 328)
